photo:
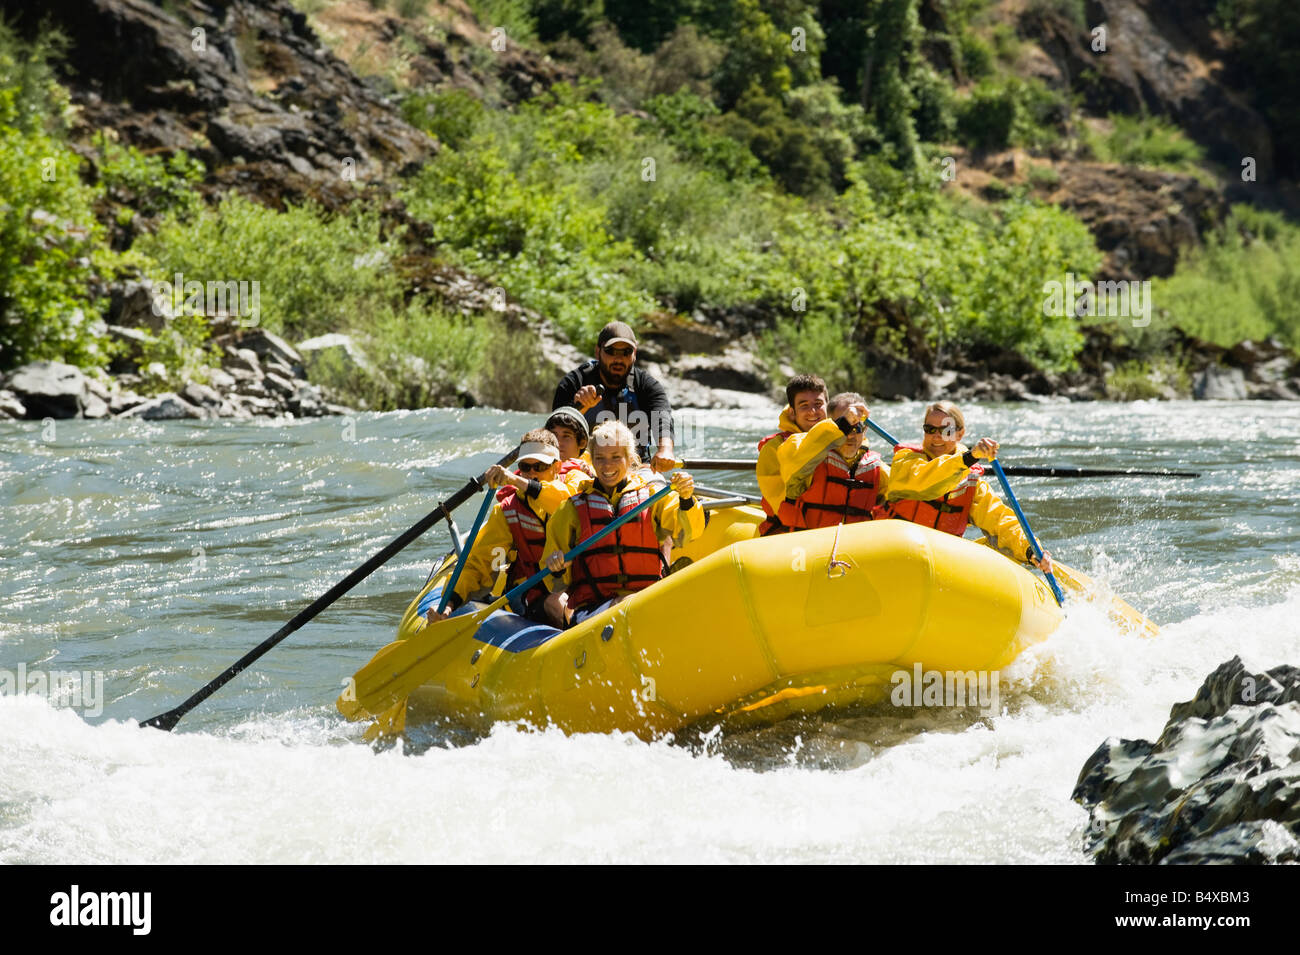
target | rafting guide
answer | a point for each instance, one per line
(926, 688)
(74, 908)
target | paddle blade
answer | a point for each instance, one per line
(1123, 614)
(400, 668)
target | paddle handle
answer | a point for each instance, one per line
(613, 525)
(1024, 524)
(464, 551)
(167, 721)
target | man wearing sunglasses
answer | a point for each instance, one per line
(610, 387)
(514, 534)
(939, 483)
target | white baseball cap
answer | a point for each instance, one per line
(537, 451)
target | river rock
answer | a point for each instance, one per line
(1217, 383)
(50, 389)
(165, 407)
(334, 348)
(124, 400)
(1221, 784)
(10, 406)
(131, 305)
(269, 346)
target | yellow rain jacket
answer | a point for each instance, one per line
(669, 520)
(493, 549)
(800, 454)
(768, 468)
(914, 476)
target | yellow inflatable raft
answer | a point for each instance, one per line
(748, 629)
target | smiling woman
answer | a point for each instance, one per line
(630, 560)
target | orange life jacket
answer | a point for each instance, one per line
(528, 532)
(839, 494)
(786, 517)
(950, 513)
(629, 559)
(574, 464)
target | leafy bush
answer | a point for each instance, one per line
(514, 16)
(150, 185)
(1009, 111)
(689, 123)
(316, 273)
(1244, 283)
(449, 115)
(1144, 141)
(51, 247)
(787, 148)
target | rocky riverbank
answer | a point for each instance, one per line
(256, 93)
(1220, 785)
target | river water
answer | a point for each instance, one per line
(148, 556)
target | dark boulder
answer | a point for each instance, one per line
(1221, 784)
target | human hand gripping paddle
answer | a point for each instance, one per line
(1015, 505)
(400, 668)
(168, 720)
(1076, 580)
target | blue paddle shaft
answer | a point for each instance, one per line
(1015, 506)
(613, 525)
(466, 548)
(1024, 524)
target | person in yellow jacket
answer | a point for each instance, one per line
(514, 534)
(830, 476)
(629, 559)
(806, 398)
(571, 434)
(939, 483)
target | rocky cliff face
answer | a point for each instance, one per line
(239, 83)
(1160, 57)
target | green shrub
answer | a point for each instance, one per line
(1144, 141)
(977, 56)
(51, 246)
(513, 16)
(316, 272)
(449, 115)
(150, 185)
(1010, 111)
(1244, 283)
(787, 148)
(689, 123)
(181, 348)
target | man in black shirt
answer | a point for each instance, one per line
(611, 387)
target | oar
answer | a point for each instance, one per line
(1015, 505)
(1024, 525)
(1014, 470)
(400, 668)
(463, 558)
(1084, 585)
(1022, 470)
(718, 464)
(168, 720)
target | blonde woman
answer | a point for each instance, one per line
(629, 559)
(939, 483)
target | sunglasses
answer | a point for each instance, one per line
(621, 351)
(528, 467)
(938, 429)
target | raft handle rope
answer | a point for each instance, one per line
(843, 566)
